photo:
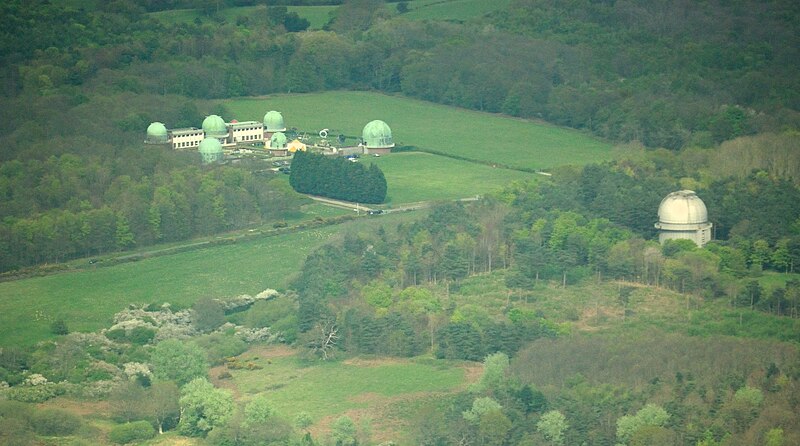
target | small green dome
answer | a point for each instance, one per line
(377, 135)
(278, 141)
(273, 122)
(210, 150)
(214, 126)
(157, 133)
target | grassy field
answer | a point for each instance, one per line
(474, 135)
(444, 178)
(359, 388)
(318, 16)
(452, 10)
(88, 299)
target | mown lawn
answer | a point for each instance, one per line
(416, 176)
(455, 131)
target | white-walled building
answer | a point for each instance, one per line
(246, 131)
(188, 138)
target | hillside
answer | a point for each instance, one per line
(589, 233)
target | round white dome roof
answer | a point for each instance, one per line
(682, 207)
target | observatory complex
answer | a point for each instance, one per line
(682, 215)
(215, 136)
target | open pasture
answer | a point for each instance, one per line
(318, 16)
(452, 10)
(88, 299)
(474, 135)
(359, 388)
(417, 176)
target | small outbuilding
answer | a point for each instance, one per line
(296, 145)
(683, 215)
(377, 137)
(277, 144)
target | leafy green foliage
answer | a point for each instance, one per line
(207, 315)
(203, 408)
(650, 415)
(552, 425)
(55, 422)
(131, 432)
(178, 361)
(336, 177)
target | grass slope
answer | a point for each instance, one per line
(444, 178)
(453, 10)
(471, 134)
(318, 16)
(88, 299)
(361, 389)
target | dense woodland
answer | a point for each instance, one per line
(337, 178)
(703, 96)
(80, 83)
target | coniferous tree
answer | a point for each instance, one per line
(337, 178)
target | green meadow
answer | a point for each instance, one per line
(454, 131)
(318, 16)
(417, 176)
(452, 10)
(87, 299)
(290, 385)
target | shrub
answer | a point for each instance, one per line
(55, 422)
(59, 327)
(141, 335)
(116, 335)
(208, 315)
(219, 346)
(35, 394)
(130, 432)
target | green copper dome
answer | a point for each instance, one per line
(273, 122)
(377, 135)
(214, 126)
(278, 141)
(210, 150)
(157, 134)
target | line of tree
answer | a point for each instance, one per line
(648, 79)
(337, 177)
(62, 209)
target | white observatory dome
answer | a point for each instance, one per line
(682, 207)
(682, 215)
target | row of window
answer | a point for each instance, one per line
(183, 144)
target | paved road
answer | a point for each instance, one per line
(358, 207)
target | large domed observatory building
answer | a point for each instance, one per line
(682, 215)
(273, 123)
(210, 150)
(157, 134)
(377, 137)
(214, 127)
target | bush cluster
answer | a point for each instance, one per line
(130, 432)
